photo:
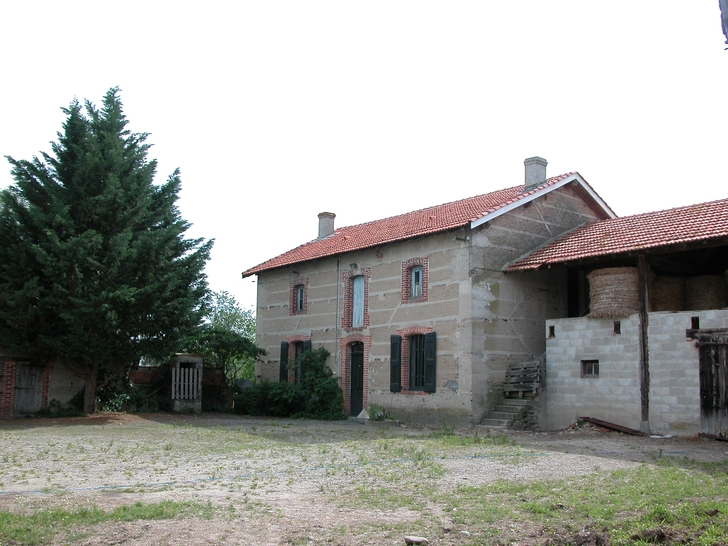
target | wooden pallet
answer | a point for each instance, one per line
(523, 377)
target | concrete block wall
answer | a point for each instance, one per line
(674, 393)
(614, 395)
(674, 370)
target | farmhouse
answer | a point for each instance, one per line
(432, 313)
(418, 311)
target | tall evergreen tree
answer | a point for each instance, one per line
(95, 270)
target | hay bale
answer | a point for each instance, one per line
(706, 292)
(614, 292)
(668, 294)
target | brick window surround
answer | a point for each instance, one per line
(407, 268)
(347, 278)
(292, 341)
(345, 372)
(293, 297)
(405, 334)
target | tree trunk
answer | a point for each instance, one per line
(89, 398)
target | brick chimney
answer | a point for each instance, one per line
(535, 172)
(326, 224)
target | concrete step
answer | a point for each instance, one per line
(517, 401)
(505, 408)
(496, 423)
(507, 415)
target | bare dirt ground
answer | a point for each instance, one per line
(272, 482)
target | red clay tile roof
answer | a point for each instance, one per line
(632, 233)
(405, 226)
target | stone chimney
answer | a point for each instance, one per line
(535, 172)
(326, 224)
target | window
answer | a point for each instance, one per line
(298, 348)
(298, 300)
(356, 298)
(417, 362)
(590, 368)
(617, 328)
(417, 372)
(415, 280)
(290, 352)
(357, 315)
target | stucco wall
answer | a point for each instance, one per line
(509, 310)
(444, 312)
(483, 318)
(63, 384)
(674, 393)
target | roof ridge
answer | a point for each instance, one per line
(406, 225)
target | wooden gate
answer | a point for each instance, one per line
(713, 345)
(28, 388)
(186, 383)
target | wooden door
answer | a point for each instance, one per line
(356, 358)
(713, 382)
(28, 388)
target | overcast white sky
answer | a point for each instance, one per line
(277, 110)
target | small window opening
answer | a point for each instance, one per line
(299, 297)
(617, 327)
(590, 368)
(695, 323)
(417, 282)
(552, 332)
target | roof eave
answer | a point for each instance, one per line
(598, 204)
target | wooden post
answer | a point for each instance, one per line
(644, 296)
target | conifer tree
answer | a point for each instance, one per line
(95, 270)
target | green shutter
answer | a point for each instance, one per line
(430, 352)
(395, 364)
(283, 378)
(306, 347)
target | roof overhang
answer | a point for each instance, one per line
(595, 202)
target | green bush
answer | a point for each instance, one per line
(317, 396)
(111, 399)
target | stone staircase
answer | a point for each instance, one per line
(523, 380)
(506, 412)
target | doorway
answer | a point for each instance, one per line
(713, 346)
(356, 359)
(28, 388)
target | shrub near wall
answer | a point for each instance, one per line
(317, 396)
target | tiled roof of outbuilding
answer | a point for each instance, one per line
(405, 226)
(633, 233)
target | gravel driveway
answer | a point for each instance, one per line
(282, 481)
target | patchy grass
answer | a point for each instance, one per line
(42, 526)
(347, 484)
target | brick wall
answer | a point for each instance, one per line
(7, 396)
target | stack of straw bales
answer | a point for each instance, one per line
(614, 292)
